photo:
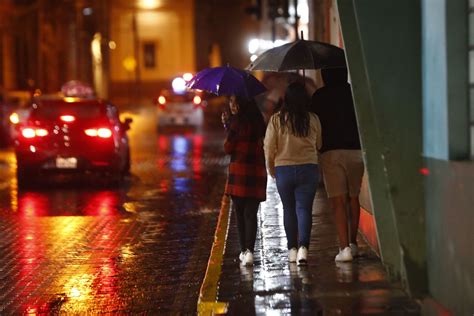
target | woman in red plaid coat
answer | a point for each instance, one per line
(247, 178)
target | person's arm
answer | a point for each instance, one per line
(270, 146)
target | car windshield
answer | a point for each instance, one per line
(52, 110)
(175, 97)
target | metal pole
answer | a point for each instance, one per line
(136, 53)
(39, 65)
(295, 2)
(273, 30)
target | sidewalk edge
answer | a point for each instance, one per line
(207, 302)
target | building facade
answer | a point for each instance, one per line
(152, 43)
(48, 42)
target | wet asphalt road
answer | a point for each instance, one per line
(141, 247)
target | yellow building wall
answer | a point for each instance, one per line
(170, 28)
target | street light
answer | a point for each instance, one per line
(149, 4)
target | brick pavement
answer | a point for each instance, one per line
(273, 286)
(141, 249)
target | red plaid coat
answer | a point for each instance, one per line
(247, 173)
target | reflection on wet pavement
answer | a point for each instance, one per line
(138, 248)
(324, 287)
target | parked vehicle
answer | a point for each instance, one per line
(72, 135)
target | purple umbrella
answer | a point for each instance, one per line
(227, 80)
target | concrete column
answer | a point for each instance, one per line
(382, 41)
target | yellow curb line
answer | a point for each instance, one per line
(207, 303)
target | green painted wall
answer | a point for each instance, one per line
(450, 231)
(383, 49)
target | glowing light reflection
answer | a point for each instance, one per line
(178, 164)
(180, 149)
(180, 145)
(197, 155)
(182, 185)
(33, 204)
(102, 204)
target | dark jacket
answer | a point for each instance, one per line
(247, 173)
(335, 108)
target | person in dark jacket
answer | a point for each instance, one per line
(341, 158)
(247, 177)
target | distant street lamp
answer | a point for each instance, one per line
(149, 4)
(129, 63)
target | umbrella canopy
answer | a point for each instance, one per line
(227, 80)
(300, 54)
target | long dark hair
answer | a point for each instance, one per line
(250, 114)
(294, 114)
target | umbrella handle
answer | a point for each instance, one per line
(304, 81)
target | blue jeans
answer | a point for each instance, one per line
(297, 186)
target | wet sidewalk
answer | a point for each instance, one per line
(274, 287)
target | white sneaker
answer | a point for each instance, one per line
(241, 256)
(248, 258)
(354, 250)
(344, 255)
(292, 253)
(302, 256)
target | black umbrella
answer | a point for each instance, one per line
(300, 54)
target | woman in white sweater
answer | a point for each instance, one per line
(291, 145)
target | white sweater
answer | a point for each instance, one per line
(284, 149)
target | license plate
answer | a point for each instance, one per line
(66, 163)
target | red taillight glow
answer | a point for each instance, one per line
(91, 132)
(67, 118)
(104, 132)
(425, 171)
(28, 133)
(41, 132)
(98, 132)
(14, 118)
(162, 100)
(32, 132)
(197, 100)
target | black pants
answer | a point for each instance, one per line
(245, 210)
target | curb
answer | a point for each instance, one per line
(207, 302)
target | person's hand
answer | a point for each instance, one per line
(225, 119)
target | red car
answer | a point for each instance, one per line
(72, 135)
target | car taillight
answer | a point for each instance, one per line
(99, 132)
(104, 132)
(14, 118)
(161, 101)
(67, 118)
(198, 103)
(33, 132)
(197, 100)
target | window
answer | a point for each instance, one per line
(471, 73)
(149, 55)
